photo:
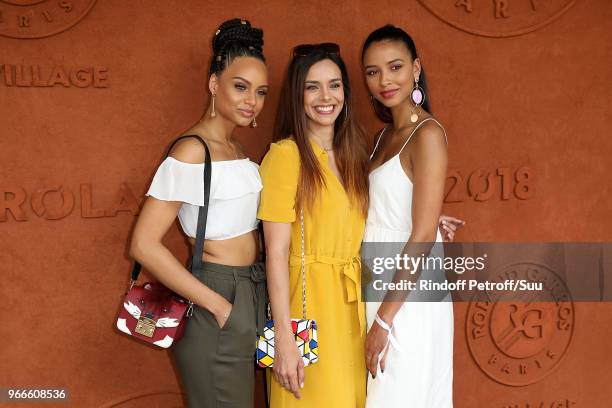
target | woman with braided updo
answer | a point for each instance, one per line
(215, 355)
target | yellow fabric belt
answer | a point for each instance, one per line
(351, 269)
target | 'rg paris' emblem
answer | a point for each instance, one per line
(518, 343)
(40, 18)
(498, 18)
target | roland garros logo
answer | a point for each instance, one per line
(498, 18)
(40, 18)
(518, 343)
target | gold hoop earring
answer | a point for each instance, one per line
(213, 114)
(254, 123)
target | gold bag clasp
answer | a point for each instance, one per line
(145, 326)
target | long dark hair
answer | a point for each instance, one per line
(349, 138)
(392, 33)
(235, 38)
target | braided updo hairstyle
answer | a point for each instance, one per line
(235, 38)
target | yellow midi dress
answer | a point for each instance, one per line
(333, 232)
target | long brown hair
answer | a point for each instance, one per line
(349, 138)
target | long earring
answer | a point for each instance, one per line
(213, 114)
(345, 112)
(254, 123)
(418, 97)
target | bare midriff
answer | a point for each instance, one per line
(242, 250)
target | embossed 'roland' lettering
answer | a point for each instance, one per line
(39, 76)
(58, 201)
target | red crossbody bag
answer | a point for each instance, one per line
(151, 312)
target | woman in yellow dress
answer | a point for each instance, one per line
(319, 167)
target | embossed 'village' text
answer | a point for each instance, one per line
(23, 75)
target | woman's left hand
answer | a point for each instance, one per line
(376, 341)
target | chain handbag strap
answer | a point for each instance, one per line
(303, 271)
(303, 266)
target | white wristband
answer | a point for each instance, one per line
(383, 324)
(389, 329)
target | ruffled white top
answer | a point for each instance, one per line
(234, 195)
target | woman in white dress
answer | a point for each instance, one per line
(409, 345)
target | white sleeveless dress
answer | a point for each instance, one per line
(419, 372)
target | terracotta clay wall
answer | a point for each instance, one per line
(91, 93)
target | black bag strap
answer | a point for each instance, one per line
(196, 260)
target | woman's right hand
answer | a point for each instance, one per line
(223, 314)
(288, 365)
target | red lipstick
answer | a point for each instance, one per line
(389, 94)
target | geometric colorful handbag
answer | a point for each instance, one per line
(151, 312)
(305, 337)
(305, 330)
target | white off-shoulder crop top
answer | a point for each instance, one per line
(234, 195)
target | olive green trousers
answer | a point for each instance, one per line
(216, 364)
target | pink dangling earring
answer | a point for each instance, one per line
(213, 114)
(418, 97)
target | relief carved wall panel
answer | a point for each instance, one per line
(92, 93)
